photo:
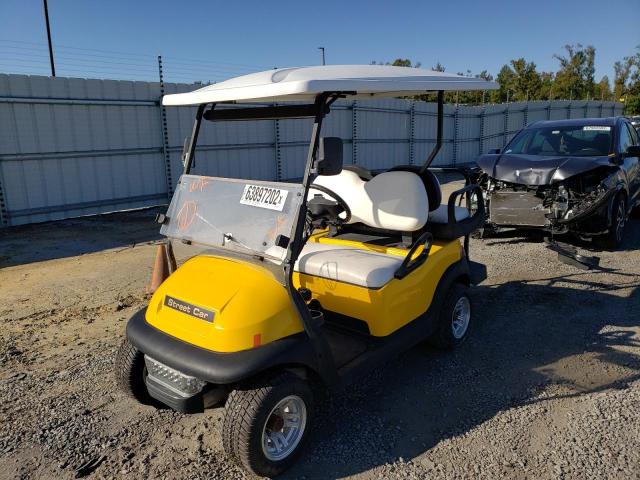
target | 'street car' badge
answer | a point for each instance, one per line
(189, 309)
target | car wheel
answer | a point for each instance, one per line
(131, 373)
(613, 238)
(266, 423)
(454, 319)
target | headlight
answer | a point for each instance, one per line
(561, 205)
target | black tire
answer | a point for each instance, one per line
(612, 239)
(247, 411)
(444, 337)
(131, 372)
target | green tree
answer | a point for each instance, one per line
(401, 62)
(602, 89)
(546, 86)
(626, 83)
(622, 72)
(527, 82)
(506, 80)
(575, 79)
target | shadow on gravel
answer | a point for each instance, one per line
(69, 238)
(528, 335)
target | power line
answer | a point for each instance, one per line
(90, 59)
(60, 47)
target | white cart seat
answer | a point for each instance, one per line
(347, 264)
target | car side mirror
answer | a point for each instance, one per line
(329, 160)
(632, 151)
(494, 151)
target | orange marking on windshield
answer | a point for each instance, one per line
(187, 214)
(199, 184)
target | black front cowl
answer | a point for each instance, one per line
(216, 367)
(537, 170)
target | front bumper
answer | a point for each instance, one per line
(525, 210)
(215, 367)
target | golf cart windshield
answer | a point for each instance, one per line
(243, 216)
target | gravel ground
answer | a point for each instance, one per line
(546, 387)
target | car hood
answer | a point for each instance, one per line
(536, 169)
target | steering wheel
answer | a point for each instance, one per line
(337, 198)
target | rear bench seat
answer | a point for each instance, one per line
(348, 264)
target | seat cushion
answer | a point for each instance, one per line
(441, 214)
(347, 264)
(391, 200)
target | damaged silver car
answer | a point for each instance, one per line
(578, 175)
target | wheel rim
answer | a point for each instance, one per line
(460, 318)
(284, 428)
(620, 218)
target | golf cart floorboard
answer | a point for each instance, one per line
(355, 353)
(345, 344)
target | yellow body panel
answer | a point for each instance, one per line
(394, 305)
(246, 299)
(251, 307)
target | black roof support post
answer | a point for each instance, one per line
(190, 153)
(324, 358)
(438, 145)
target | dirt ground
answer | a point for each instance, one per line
(546, 387)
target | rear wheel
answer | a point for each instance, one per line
(266, 423)
(131, 373)
(613, 238)
(454, 319)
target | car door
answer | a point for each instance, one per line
(628, 136)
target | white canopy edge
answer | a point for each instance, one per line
(305, 83)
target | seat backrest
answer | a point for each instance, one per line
(430, 181)
(391, 200)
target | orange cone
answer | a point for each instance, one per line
(160, 269)
(172, 258)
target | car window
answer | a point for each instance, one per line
(582, 141)
(624, 139)
(633, 133)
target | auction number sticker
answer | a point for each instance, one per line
(264, 197)
(596, 128)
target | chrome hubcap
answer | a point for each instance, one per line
(620, 219)
(284, 428)
(460, 318)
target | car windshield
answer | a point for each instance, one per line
(243, 216)
(578, 141)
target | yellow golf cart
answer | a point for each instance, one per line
(299, 287)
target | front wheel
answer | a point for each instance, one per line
(454, 319)
(613, 238)
(266, 423)
(131, 373)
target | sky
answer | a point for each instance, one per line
(213, 40)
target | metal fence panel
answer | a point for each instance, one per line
(71, 146)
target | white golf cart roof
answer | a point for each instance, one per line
(305, 83)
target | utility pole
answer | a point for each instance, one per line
(322, 48)
(46, 18)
